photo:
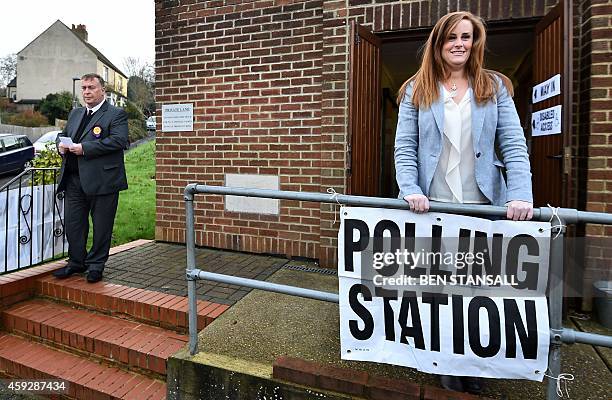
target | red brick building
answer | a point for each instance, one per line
(298, 95)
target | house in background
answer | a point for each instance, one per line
(50, 62)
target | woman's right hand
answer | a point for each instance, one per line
(418, 203)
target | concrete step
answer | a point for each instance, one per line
(156, 308)
(86, 379)
(133, 344)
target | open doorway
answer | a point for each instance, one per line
(509, 51)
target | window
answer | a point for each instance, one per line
(105, 74)
(11, 143)
(24, 142)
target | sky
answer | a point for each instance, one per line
(117, 28)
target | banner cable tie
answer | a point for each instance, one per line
(333, 195)
(562, 379)
(560, 225)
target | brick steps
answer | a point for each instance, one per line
(86, 379)
(132, 344)
(166, 310)
(107, 341)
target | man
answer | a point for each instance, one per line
(92, 174)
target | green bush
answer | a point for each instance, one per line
(136, 130)
(133, 112)
(56, 105)
(48, 158)
(28, 118)
(141, 93)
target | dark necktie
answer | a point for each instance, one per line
(84, 122)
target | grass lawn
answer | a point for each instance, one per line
(135, 217)
(136, 213)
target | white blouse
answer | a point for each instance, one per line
(454, 179)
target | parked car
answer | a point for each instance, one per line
(44, 140)
(151, 123)
(15, 152)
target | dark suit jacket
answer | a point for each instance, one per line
(101, 167)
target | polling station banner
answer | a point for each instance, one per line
(445, 294)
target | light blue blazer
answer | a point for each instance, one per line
(419, 139)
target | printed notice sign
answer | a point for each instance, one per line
(546, 122)
(177, 117)
(445, 294)
(546, 89)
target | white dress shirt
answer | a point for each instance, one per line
(454, 179)
(96, 108)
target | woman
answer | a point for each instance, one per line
(454, 115)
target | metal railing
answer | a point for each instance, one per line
(32, 222)
(558, 334)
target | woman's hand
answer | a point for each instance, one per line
(418, 203)
(519, 210)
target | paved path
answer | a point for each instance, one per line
(161, 267)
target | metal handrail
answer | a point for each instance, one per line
(568, 215)
(26, 172)
(558, 334)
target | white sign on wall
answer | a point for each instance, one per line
(547, 89)
(177, 117)
(445, 294)
(252, 204)
(546, 122)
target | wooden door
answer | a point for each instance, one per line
(364, 132)
(550, 157)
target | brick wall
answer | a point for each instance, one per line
(595, 153)
(253, 71)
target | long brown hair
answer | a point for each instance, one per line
(433, 69)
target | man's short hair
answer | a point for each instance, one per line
(94, 76)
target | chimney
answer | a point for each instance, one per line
(80, 30)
